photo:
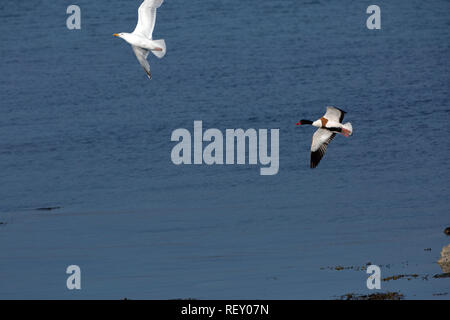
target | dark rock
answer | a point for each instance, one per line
(442, 275)
(401, 276)
(48, 208)
(374, 296)
(440, 294)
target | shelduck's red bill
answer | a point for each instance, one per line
(299, 123)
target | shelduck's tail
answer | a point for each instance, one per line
(347, 129)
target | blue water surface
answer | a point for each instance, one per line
(81, 128)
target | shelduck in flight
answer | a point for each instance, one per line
(329, 125)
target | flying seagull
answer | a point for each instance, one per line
(329, 125)
(141, 38)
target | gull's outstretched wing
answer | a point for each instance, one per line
(334, 114)
(320, 141)
(141, 55)
(147, 18)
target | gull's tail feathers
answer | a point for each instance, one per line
(161, 44)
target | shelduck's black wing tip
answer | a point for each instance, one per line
(342, 114)
(317, 155)
(315, 158)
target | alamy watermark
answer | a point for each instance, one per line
(74, 280)
(74, 20)
(374, 280)
(374, 20)
(255, 141)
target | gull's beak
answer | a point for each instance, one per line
(115, 35)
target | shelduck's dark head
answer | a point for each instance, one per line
(303, 122)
